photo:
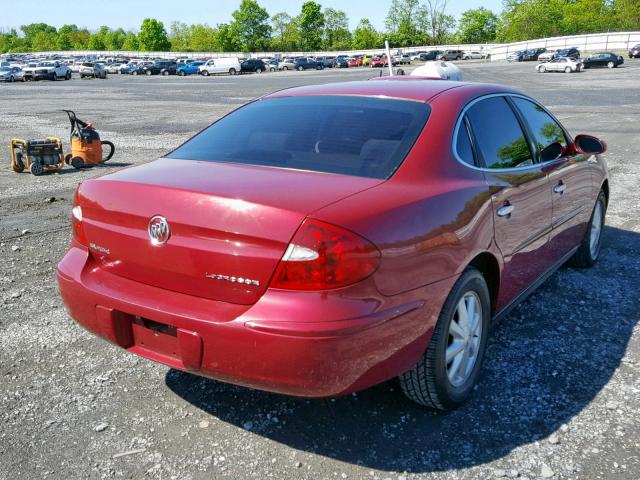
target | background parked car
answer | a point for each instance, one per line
(473, 54)
(341, 61)
(603, 59)
(327, 62)
(288, 64)
(532, 54)
(560, 64)
(634, 52)
(189, 68)
(430, 55)
(404, 59)
(449, 55)
(515, 56)
(93, 70)
(229, 65)
(139, 68)
(252, 65)
(47, 70)
(11, 74)
(572, 52)
(305, 63)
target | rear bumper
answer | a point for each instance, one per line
(280, 344)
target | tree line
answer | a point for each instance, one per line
(408, 23)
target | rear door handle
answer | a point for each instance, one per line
(560, 187)
(505, 210)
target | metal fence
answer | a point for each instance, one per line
(586, 43)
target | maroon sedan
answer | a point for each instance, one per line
(368, 230)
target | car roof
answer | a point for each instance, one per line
(401, 87)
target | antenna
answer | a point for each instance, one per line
(386, 47)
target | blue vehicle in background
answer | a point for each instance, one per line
(189, 68)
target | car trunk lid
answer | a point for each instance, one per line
(229, 224)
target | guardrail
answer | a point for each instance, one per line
(586, 43)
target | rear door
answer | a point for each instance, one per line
(569, 178)
(520, 192)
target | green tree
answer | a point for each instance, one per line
(365, 36)
(478, 25)
(587, 16)
(251, 23)
(407, 23)
(311, 21)
(114, 39)
(44, 41)
(627, 14)
(229, 38)
(280, 24)
(204, 39)
(153, 36)
(180, 36)
(529, 19)
(440, 23)
(131, 42)
(336, 30)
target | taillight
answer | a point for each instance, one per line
(76, 222)
(323, 256)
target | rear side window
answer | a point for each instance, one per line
(500, 139)
(360, 136)
(543, 127)
(463, 145)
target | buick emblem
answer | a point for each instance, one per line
(159, 231)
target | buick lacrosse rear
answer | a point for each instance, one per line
(323, 239)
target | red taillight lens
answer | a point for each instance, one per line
(76, 222)
(323, 256)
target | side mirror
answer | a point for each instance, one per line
(551, 152)
(590, 145)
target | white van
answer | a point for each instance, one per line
(229, 65)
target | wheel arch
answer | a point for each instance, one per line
(487, 264)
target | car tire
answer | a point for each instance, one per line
(148, 72)
(285, 68)
(589, 249)
(542, 69)
(434, 382)
(181, 73)
(232, 71)
(567, 70)
(11, 79)
(68, 76)
(300, 69)
(611, 65)
(258, 70)
(134, 73)
(206, 73)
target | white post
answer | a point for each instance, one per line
(386, 47)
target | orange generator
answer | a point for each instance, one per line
(86, 146)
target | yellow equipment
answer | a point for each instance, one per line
(38, 156)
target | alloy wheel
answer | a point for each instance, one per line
(596, 231)
(465, 334)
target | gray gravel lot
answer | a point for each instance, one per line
(560, 393)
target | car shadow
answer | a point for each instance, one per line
(545, 363)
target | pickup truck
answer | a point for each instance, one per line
(47, 70)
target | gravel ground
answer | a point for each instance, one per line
(560, 393)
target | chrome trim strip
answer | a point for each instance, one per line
(535, 166)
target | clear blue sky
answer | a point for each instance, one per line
(130, 13)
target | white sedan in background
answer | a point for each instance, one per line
(11, 74)
(560, 64)
(473, 54)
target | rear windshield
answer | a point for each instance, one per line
(361, 136)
